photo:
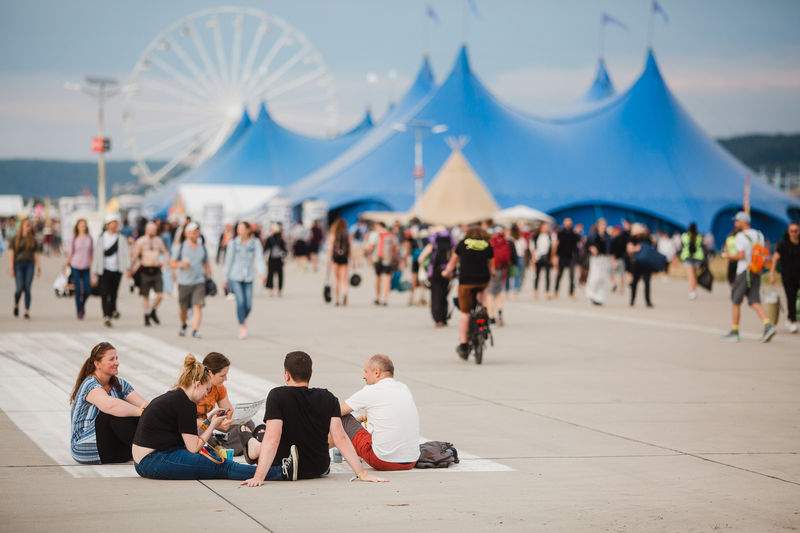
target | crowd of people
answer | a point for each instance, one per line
(173, 435)
(491, 262)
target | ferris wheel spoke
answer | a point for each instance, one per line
(177, 160)
(156, 126)
(251, 54)
(201, 50)
(180, 78)
(297, 82)
(175, 139)
(193, 68)
(263, 68)
(172, 108)
(237, 48)
(281, 71)
(220, 50)
(171, 90)
(313, 99)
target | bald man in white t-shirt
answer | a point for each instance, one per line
(391, 438)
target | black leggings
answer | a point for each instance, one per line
(114, 436)
(439, 288)
(644, 276)
(275, 266)
(790, 285)
(542, 264)
(109, 286)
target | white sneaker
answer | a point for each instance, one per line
(692, 295)
(791, 326)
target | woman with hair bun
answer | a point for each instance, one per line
(105, 410)
(166, 444)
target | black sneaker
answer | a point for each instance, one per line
(289, 465)
(146, 319)
(154, 317)
(463, 351)
(16, 311)
(182, 331)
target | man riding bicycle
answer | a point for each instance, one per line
(474, 255)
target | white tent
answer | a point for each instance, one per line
(234, 199)
(522, 213)
(11, 205)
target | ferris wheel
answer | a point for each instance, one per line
(195, 79)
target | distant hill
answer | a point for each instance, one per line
(41, 178)
(766, 151)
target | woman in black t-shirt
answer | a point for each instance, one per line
(166, 443)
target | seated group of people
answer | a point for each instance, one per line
(166, 438)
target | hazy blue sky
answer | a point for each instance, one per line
(734, 64)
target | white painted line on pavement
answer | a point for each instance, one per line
(39, 370)
(663, 324)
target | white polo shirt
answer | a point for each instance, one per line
(392, 419)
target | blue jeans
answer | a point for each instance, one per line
(243, 291)
(180, 463)
(80, 278)
(23, 275)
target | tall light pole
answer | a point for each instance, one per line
(100, 88)
(420, 130)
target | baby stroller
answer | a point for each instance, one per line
(63, 285)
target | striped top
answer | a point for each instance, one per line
(82, 443)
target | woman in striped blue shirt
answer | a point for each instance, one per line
(105, 410)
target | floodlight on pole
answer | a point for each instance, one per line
(100, 88)
(420, 129)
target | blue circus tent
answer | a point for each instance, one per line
(601, 87)
(637, 155)
(261, 152)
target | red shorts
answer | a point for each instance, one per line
(362, 442)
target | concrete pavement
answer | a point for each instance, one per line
(611, 419)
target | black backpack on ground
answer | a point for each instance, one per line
(436, 454)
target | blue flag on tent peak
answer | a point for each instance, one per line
(432, 14)
(474, 8)
(608, 19)
(658, 9)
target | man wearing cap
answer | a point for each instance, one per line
(190, 260)
(746, 283)
(112, 258)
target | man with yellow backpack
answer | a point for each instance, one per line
(752, 257)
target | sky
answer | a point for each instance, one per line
(733, 64)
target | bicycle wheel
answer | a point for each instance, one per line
(479, 342)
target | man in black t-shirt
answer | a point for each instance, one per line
(566, 254)
(473, 256)
(298, 420)
(788, 254)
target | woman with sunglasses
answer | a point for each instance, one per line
(105, 410)
(167, 443)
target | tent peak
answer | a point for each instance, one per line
(263, 114)
(462, 60)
